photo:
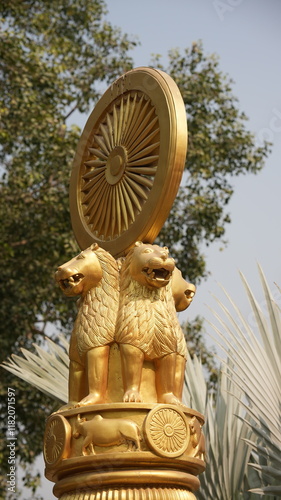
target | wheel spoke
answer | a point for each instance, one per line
(93, 173)
(133, 118)
(108, 212)
(133, 197)
(142, 170)
(101, 143)
(109, 125)
(88, 209)
(96, 218)
(115, 125)
(140, 125)
(94, 163)
(102, 210)
(120, 123)
(123, 210)
(128, 202)
(143, 161)
(139, 118)
(139, 179)
(129, 109)
(144, 151)
(90, 184)
(115, 218)
(88, 196)
(98, 153)
(106, 137)
(137, 188)
(144, 139)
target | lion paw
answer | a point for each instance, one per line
(67, 406)
(170, 398)
(92, 399)
(132, 396)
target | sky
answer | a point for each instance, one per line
(246, 36)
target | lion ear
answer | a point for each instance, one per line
(138, 243)
(94, 246)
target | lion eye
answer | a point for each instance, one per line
(80, 256)
(147, 250)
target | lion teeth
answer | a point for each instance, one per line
(66, 283)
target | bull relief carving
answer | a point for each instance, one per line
(107, 432)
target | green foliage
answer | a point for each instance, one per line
(53, 58)
(219, 148)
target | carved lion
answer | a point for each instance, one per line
(147, 324)
(93, 274)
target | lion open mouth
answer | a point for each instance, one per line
(159, 274)
(71, 281)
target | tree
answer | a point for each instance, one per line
(54, 55)
(219, 148)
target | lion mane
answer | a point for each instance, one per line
(97, 311)
(147, 317)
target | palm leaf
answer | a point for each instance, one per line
(255, 370)
(47, 370)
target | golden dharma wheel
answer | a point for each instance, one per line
(129, 162)
(56, 440)
(166, 431)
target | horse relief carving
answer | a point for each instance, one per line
(197, 447)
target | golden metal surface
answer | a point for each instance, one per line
(141, 318)
(93, 274)
(106, 432)
(56, 440)
(115, 447)
(125, 433)
(166, 431)
(129, 162)
(149, 493)
(147, 325)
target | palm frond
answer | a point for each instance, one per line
(47, 370)
(228, 453)
(255, 370)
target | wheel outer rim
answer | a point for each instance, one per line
(170, 110)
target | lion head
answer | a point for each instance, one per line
(150, 265)
(85, 271)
